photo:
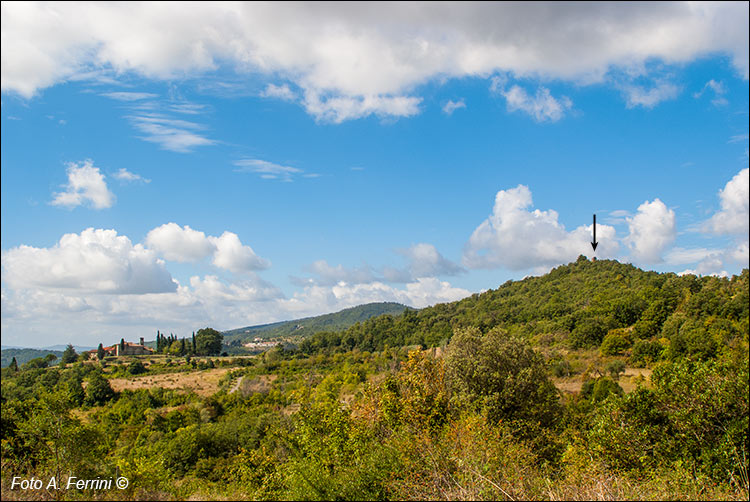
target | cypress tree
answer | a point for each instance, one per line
(13, 365)
(100, 352)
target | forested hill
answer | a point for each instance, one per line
(328, 322)
(25, 355)
(576, 305)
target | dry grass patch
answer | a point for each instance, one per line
(628, 380)
(203, 382)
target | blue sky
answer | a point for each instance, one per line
(239, 164)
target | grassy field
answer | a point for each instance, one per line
(204, 382)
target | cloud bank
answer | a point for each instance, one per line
(350, 61)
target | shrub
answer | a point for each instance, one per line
(588, 332)
(502, 375)
(616, 341)
(136, 368)
(646, 352)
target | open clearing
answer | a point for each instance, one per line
(203, 382)
(628, 381)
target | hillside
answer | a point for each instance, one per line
(575, 306)
(659, 409)
(309, 325)
(24, 355)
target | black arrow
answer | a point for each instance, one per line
(594, 243)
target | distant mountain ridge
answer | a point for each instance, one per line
(336, 321)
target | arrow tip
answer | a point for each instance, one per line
(594, 244)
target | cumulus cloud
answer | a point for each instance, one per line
(420, 293)
(282, 92)
(125, 175)
(734, 198)
(651, 231)
(648, 97)
(231, 254)
(180, 244)
(338, 109)
(451, 106)
(214, 291)
(732, 221)
(365, 59)
(94, 261)
(328, 275)
(542, 107)
(424, 261)
(85, 184)
(183, 244)
(516, 238)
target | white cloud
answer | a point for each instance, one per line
(130, 96)
(186, 108)
(179, 244)
(681, 256)
(172, 134)
(211, 290)
(425, 261)
(364, 58)
(282, 92)
(188, 245)
(638, 95)
(719, 90)
(232, 255)
(338, 109)
(732, 219)
(85, 184)
(328, 275)
(267, 170)
(542, 107)
(125, 175)
(451, 106)
(94, 261)
(516, 238)
(420, 293)
(651, 230)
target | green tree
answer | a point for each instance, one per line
(136, 368)
(208, 342)
(76, 394)
(100, 352)
(68, 356)
(175, 348)
(502, 375)
(13, 365)
(614, 368)
(588, 332)
(98, 391)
